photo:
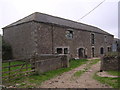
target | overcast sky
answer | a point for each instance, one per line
(104, 17)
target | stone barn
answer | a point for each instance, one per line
(45, 34)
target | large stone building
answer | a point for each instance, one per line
(45, 34)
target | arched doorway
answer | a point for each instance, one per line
(93, 52)
(101, 50)
(81, 53)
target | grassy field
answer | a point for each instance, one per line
(35, 79)
(12, 63)
(14, 68)
(114, 82)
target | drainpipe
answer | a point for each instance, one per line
(52, 40)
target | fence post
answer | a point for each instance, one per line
(68, 58)
(9, 71)
(65, 61)
(26, 66)
(32, 61)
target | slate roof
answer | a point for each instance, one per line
(116, 39)
(40, 17)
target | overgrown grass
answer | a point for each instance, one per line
(114, 82)
(115, 73)
(76, 63)
(35, 80)
(13, 63)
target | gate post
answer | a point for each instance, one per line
(33, 61)
(65, 60)
(68, 58)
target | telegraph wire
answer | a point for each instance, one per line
(91, 10)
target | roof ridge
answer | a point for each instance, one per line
(66, 19)
(46, 18)
(71, 21)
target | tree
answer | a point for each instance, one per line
(6, 51)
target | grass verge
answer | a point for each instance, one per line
(94, 62)
(114, 73)
(114, 82)
(35, 80)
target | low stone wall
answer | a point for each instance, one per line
(47, 56)
(46, 63)
(110, 64)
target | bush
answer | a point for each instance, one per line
(6, 51)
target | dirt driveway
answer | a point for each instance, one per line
(67, 79)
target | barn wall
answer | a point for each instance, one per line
(21, 39)
(51, 37)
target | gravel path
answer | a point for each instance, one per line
(67, 80)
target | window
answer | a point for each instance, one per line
(65, 50)
(59, 50)
(92, 39)
(69, 34)
(101, 50)
(105, 39)
(109, 49)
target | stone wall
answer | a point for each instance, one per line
(46, 63)
(109, 64)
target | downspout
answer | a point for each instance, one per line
(52, 40)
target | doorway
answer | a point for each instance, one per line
(93, 52)
(101, 50)
(81, 53)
